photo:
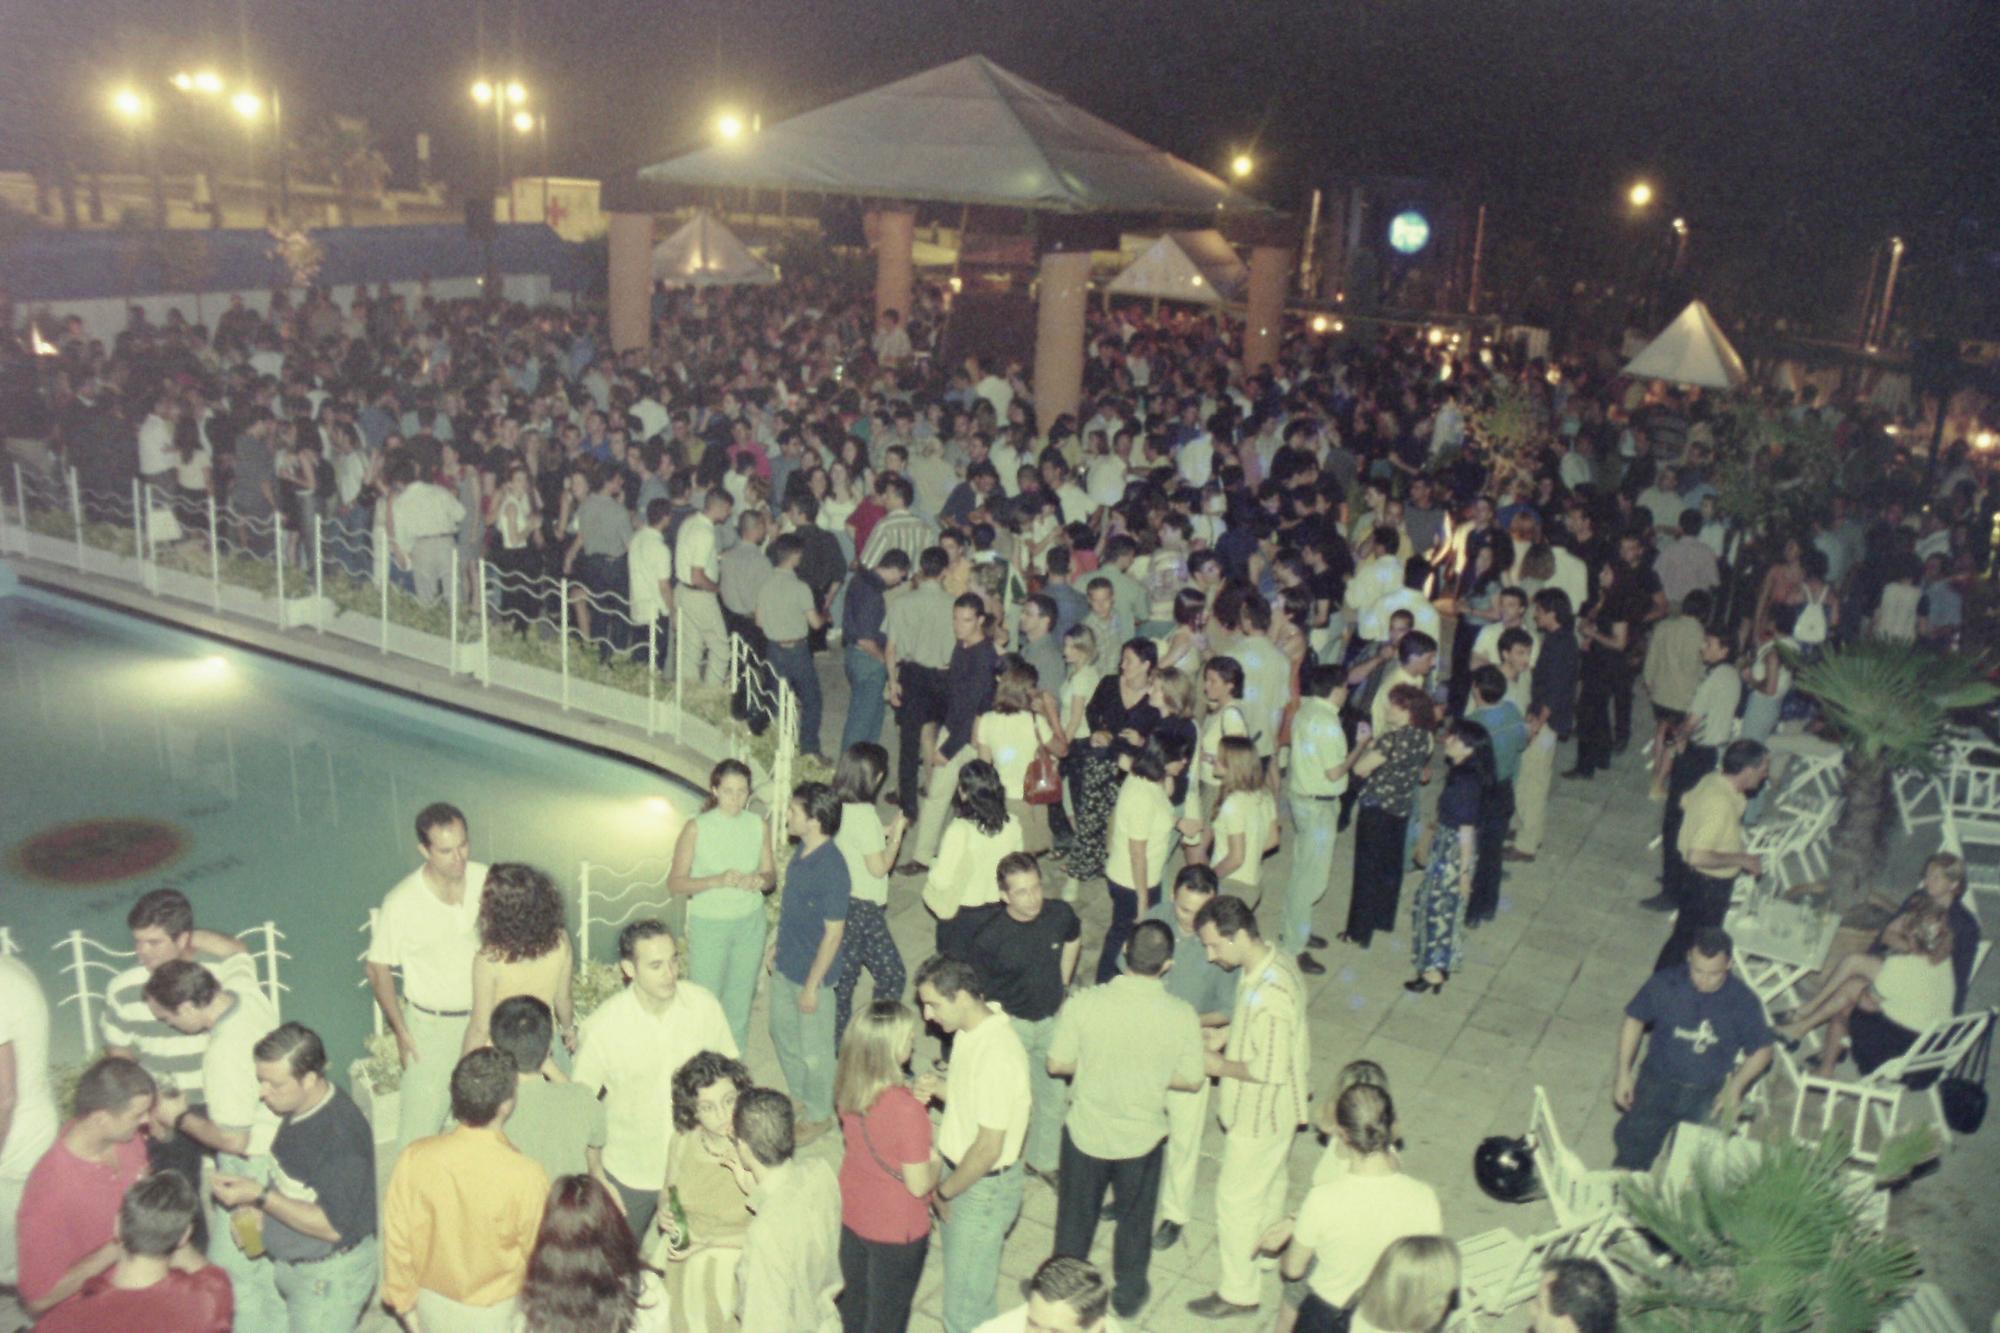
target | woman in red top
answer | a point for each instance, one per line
(888, 1173)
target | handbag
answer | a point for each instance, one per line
(1043, 783)
(1962, 1093)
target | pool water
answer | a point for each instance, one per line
(133, 755)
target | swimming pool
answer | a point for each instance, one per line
(134, 755)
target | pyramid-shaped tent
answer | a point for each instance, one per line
(1186, 266)
(705, 253)
(1691, 350)
(967, 132)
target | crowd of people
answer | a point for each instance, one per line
(1215, 611)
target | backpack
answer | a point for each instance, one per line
(1810, 628)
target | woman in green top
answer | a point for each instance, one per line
(723, 863)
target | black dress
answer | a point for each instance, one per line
(1381, 826)
(1094, 776)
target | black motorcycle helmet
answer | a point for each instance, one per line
(1505, 1169)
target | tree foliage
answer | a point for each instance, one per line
(1780, 1245)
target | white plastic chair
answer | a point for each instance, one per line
(1925, 1310)
(1972, 816)
(1576, 1194)
(1877, 1098)
(1500, 1271)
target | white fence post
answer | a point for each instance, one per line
(278, 554)
(485, 632)
(78, 961)
(451, 612)
(564, 636)
(21, 498)
(652, 670)
(149, 571)
(76, 516)
(583, 909)
(214, 555)
(319, 573)
(680, 638)
(381, 563)
(138, 532)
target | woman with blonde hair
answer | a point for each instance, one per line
(1344, 1225)
(887, 1173)
(1413, 1289)
(1242, 827)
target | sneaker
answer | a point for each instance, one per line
(1168, 1236)
(1315, 941)
(1311, 966)
(1659, 902)
(1213, 1306)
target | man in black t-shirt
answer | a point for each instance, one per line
(1026, 951)
(318, 1207)
(1702, 1018)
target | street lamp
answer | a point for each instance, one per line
(524, 121)
(499, 96)
(247, 105)
(516, 93)
(1242, 165)
(1640, 195)
(132, 107)
(482, 92)
(128, 105)
(207, 82)
(729, 126)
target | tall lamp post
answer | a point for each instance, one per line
(249, 107)
(1889, 292)
(500, 95)
(534, 122)
(135, 112)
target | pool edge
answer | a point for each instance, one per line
(409, 679)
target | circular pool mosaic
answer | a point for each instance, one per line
(98, 851)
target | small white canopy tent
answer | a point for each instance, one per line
(705, 253)
(1691, 350)
(1185, 266)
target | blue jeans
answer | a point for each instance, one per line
(259, 1308)
(867, 677)
(804, 1043)
(724, 957)
(971, 1239)
(331, 1294)
(794, 666)
(1124, 918)
(1042, 1149)
(1315, 825)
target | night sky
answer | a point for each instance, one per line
(1792, 135)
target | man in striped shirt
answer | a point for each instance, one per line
(163, 929)
(902, 528)
(1263, 1066)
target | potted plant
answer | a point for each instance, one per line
(1886, 703)
(1783, 1242)
(374, 1081)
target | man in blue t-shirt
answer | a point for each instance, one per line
(1702, 1018)
(805, 957)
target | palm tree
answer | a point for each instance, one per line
(1779, 1245)
(1887, 703)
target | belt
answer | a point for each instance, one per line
(329, 1257)
(682, 583)
(437, 1013)
(1336, 796)
(951, 1166)
(784, 643)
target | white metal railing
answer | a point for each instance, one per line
(610, 896)
(8, 948)
(331, 578)
(92, 966)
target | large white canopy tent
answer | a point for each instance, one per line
(1691, 350)
(705, 253)
(1199, 266)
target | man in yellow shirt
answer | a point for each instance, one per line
(1711, 845)
(462, 1211)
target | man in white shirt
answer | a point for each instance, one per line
(156, 441)
(1267, 675)
(423, 529)
(1380, 573)
(27, 1110)
(1696, 744)
(428, 927)
(790, 1270)
(1513, 615)
(630, 1051)
(649, 570)
(1066, 1295)
(892, 343)
(1124, 1045)
(235, 1124)
(698, 567)
(986, 1108)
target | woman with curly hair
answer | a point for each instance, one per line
(523, 950)
(585, 1274)
(702, 1244)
